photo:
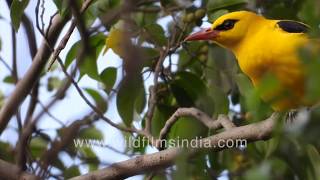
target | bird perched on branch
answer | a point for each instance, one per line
(264, 47)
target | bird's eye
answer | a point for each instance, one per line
(226, 25)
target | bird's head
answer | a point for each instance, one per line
(228, 30)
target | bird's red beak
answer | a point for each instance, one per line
(205, 34)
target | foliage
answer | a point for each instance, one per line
(199, 74)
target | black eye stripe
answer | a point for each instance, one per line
(226, 25)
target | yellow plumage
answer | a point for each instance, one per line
(264, 47)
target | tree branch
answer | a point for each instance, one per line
(153, 90)
(67, 36)
(30, 34)
(10, 171)
(25, 85)
(171, 48)
(163, 159)
(222, 121)
(68, 134)
(29, 128)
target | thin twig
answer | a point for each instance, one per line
(153, 90)
(50, 22)
(41, 15)
(92, 106)
(14, 56)
(67, 36)
(46, 110)
(222, 121)
(158, 69)
(5, 64)
(68, 134)
(28, 128)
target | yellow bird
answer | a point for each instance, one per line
(264, 46)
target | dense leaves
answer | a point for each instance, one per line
(196, 74)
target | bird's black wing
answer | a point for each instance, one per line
(293, 26)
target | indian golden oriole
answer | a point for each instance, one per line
(264, 46)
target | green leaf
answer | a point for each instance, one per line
(91, 133)
(191, 83)
(191, 167)
(220, 4)
(190, 90)
(62, 7)
(100, 102)
(220, 99)
(314, 157)
(180, 129)
(9, 79)
(158, 176)
(244, 84)
(161, 115)
(89, 16)
(140, 144)
(16, 12)
(258, 108)
(90, 158)
(6, 152)
(140, 102)
(155, 34)
(259, 172)
(89, 67)
(108, 78)
(168, 3)
(58, 163)
(53, 83)
(72, 53)
(70, 172)
(2, 99)
(142, 18)
(89, 64)
(126, 98)
(216, 14)
(37, 146)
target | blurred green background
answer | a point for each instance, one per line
(197, 74)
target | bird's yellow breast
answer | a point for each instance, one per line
(270, 50)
